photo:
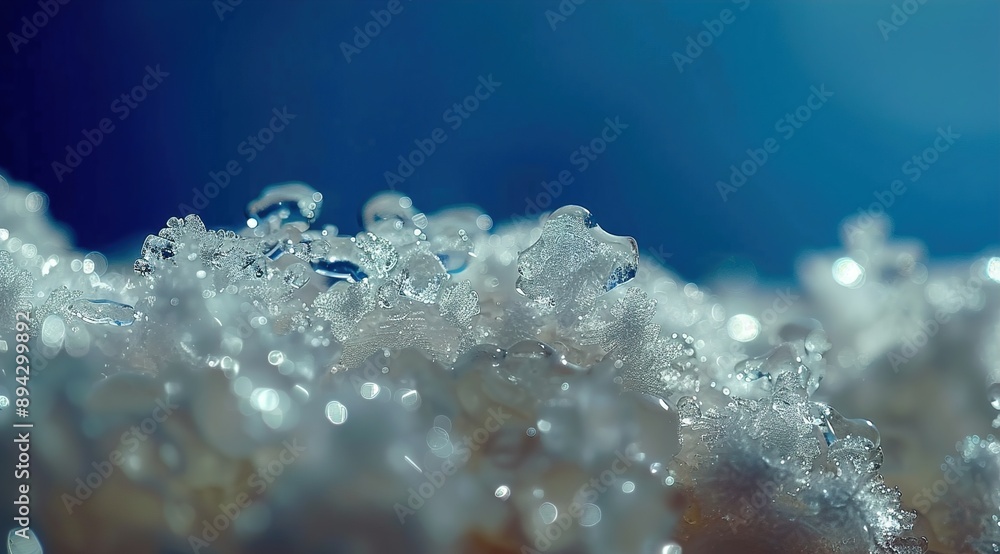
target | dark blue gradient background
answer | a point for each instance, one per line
(656, 183)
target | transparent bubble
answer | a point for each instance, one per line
(294, 204)
(590, 516)
(993, 393)
(743, 327)
(848, 273)
(336, 412)
(370, 390)
(671, 548)
(549, 512)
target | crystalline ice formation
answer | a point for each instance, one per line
(15, 290)
(646, 362)
(344, 305)
(488, 388)
(968, 508)
(574, 261)
(771, 456)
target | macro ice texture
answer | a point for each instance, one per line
(434, 383)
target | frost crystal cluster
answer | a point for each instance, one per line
(435, 384)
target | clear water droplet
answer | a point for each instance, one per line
(293, 204)
(437, 438)
(549, 512)
(842, 427)
(104, 312)
(994, 395)
(386, 216)
(18, 544)
(591, 515)
(422, 276)
(370, 390)
(671, 548)
(338, 270)
(336, 412)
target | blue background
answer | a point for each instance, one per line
(656, 182)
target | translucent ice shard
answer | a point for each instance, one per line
(754, 377)
(154, 249)
(422, 275)
(106, 312)
(574, 261)
(340, 270)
